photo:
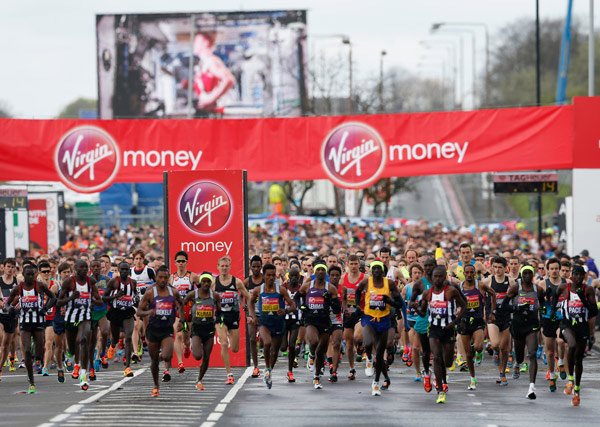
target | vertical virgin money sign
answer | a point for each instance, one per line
(206, 216)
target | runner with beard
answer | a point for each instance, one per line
(255, 280)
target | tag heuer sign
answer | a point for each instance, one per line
(526, 182)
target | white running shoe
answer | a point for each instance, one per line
(369, 371)
(310, 364)
(375, 389)
(531, 393)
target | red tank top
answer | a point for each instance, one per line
(351, 289)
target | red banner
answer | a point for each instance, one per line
(352, 151)
(206, 218)
(38, 226)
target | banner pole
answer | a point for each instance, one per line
(166, 218)
(246, 254)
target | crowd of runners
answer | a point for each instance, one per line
(438, 304)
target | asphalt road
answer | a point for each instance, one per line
(115, 400)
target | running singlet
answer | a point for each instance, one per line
(411, 314)
(183, 284)
(474, 301)
(574, 309)
(501, 290)
(422, 323)
(375, 306)
(79, 309)
(351, 292)
(126, 301)
(31, 305)
(228, 295)
(203, 309)
(50, 315)
(526, 305)
(296, 314)
(336, 319)
(390, 274)
(561, 299)
(251, 286)
(315, 303)
(440, 309)
(5, 289)
(269, 303)
(101, 285)
(143, 278)
(165, 309)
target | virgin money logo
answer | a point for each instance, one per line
(87, 159)
(353, 155)
(205, 207)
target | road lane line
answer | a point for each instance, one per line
(220, 408)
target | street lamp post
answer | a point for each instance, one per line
(346, 40)
(383, 53)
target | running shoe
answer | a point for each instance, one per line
(121, 344)
(406, 354)
(333, 377)
(317, 383)
(84, 383)
(128, 372)
(37, 367)
(504, 382)
(135, 358)
(516, 372)
(524, 367)
(375, 389)
(11, 365)
(478, 358)
(409, 362)
(545, 359)
(509, 362)
(310, 363)
(499, 379)
(111, 352)
(459, 360)
(418, 378)
(390, 359)
(576, 399)
(539, 351)
(290, 377)
(75, 373)
(52, 364)
(553, 385)
(489, 349)
(352, 375)
(284, 353)
(295, 363)
(166, 376)
(267, 379)
(180, 368)
(22, 364)
(569, 388)
(230, 379)
(427, 382)
(441, 397)
(548, 375)
(445, 388)
(256, 373)
(61, 376)
(358, 357)
(199, 385)
(386, 384)
(452, 367)
(369, 371)
(563, 372)
(31, 389)
(45, 372)
(155, 392)
(187, 353)
(496, 359)
(105, 362)
(531, 392)
(92, 375)
(473, 385)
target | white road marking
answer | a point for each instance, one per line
(220, 408)
(215, 416)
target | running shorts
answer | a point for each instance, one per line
(580, 330)
(275, 326)
(380, 324)
(470, 325)
(9, 323)
(351, 321)
(32, 327)
(292, 324)
(231, 319)
(549, 327)
(520, 331)
(322, 325)
(117, 316)
(156, 334)
(204, 332)
(446, 336)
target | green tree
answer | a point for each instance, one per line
(72, 110)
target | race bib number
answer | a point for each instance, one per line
(472, 302)
(576, 308)
(228, 298)
(183, 290)
(29, 303)
(84, 299)
(164, 308)
(438, 308)
(351, 295)
(500, 297)
(316, 303)
(376, 302)
(270, 305)
(204, 311)
(125, 301)
(524, 300)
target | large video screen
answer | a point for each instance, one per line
(243, 64)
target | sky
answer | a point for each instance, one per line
(49, 46)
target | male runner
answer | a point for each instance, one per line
(498, 327)
(471, 325)
(442, 300)
(416, 273)
(466, 254)
(8, 318)
(31, 317)
(422, 323)
(121, 294)
(44, 276)
(335, 333)
(576, 329)
(78, 293)
(513, 267)
(353, 330)
(205, 309)
(319, 296)
(183, 280)
(253, 281)
(272, 298)
(160, 304)
(99, 320)
(144, 276)
(293, 321)
(58, 324)
(229, 289)
(526, 324)
(380, 294)
(551, 325)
